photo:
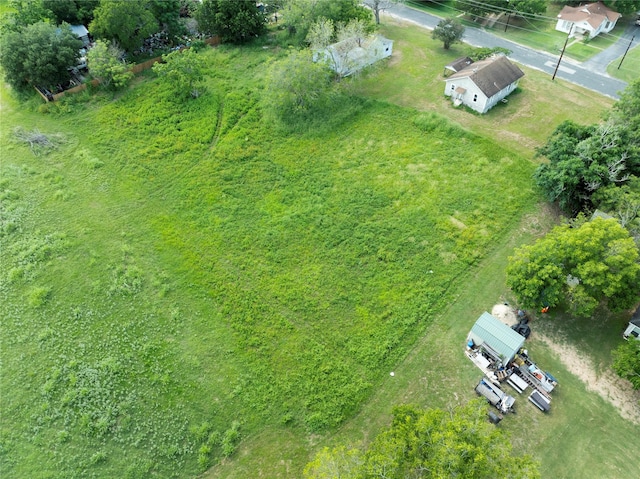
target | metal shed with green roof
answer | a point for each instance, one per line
(490, 332)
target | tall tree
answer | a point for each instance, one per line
(167, 14)
(235, 21)
(105, 64)
(429, 443)
(583, 159)
(125, 22)
(623, 6)
(532, 7)
(449, 31)
(626, 361)
(184, 71)
(301, 14)
(295, 86)
(22, 13)
(584, 266)
(39, 54)
(72, 11)
(378, 6)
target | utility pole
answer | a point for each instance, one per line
(562, 53)
(626, 51)
(507, 25)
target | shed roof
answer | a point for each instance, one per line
(490, 75)
(500, 337)
(79, 30)
(458, 64)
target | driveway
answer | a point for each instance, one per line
(590, 76)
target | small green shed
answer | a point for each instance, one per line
(496, 337)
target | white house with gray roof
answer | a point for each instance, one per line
(481, 85)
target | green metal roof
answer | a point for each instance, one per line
(500, 337)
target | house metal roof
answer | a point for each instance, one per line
(500, 337)
(491, 75)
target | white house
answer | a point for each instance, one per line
(482, 84)
(591, 19)
(633, 330)
(351, 55)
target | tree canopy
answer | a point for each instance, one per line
(623, 6)
(301, 14)
(449, 31)
(429, 443)
(585, 266)
(295, 85)
(125, 22)
(183, 70)
(39, 54)
(105, 64)
(583, 159)
(71, 11)
(234, 21)
(626, 361)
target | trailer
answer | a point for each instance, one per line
(541, 402)
(495, 396)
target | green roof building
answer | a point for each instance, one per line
(496, 338)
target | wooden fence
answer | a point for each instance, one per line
(135, 69)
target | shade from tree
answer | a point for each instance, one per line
(429, 443)
(39, 54)
(235, 21)
(583, 266)
(448, 31)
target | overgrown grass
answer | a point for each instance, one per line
(181, 279)
(179, 275)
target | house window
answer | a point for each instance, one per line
(475, 97)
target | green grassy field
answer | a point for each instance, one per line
(629, 68)
(184, 285)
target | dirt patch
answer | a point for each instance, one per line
(610, 387)
(396, 57)
(505, 313)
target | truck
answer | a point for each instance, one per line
(495, 396)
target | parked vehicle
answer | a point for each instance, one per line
(495, 396)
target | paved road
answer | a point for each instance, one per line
(589, 76)
(599, 62)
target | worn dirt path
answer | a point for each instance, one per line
(610, 387)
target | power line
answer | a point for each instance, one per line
(528, 17)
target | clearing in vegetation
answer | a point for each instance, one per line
(163, 298)
(183, 282)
